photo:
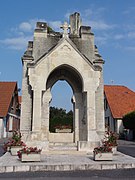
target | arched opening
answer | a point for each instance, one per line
(68, 74)
(61, 108)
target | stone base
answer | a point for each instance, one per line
(63, 130)
(61, 137)
(15, 149)
(114, 149)
(87, 145)
(103, 157)
(33, 157)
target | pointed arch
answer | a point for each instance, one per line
(68, 73)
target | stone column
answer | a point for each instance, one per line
(73, 102)
(78, 106)
(91, 118)
(36, 124)
(46, 99)
(100, 119)
(26, 105)
(76, 118)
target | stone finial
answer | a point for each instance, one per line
(75, 24)
(65, 28)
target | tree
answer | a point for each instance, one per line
(129, 120)
(59, 117)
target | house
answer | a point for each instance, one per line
(119, 100)
(9, 108)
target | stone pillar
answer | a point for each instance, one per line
(76, 120)
(91, 118)
(73, 102)
(26, 105)
(46, 99)
(36, 123)
(75, 23)
(78, 116)
(100, 119)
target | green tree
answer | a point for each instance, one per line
(59, 117)
(129, 120)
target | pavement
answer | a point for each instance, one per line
(66, 162)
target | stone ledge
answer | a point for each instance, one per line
(66, 162)
(66, 167)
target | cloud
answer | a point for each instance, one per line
(18, 43)
(55, 25)
(67, 15)
(22, 33)
(118, 36)
(130, 48)
(129, 10)
(101, 25)
(96, 19)
(93, 18)
(131, 34)
(100, 40)
(31, 24)
(25, 26)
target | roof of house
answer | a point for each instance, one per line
(121, 100)
(6, 91)
(20, 99)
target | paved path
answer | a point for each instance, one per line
(65, 162)
(127, 147)
(10, 163)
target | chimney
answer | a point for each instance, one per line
(75, 23)
(41, 29)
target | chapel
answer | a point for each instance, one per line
(70, 55)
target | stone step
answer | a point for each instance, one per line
(64, 152)
(61, 144)
(62, 147)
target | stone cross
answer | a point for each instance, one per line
(65, 28)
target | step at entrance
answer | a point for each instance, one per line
(62, 147)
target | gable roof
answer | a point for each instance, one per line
(121, 100)
(6, 91)
(31, 64)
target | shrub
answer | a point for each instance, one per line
(129, 120)
(28, 150)
(14, 141)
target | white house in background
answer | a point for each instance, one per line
(9, 108)
(119, 100)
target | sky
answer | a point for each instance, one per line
(112, 22)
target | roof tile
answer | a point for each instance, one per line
(6, 91)
(121, 100)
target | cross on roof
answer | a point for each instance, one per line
(65, 28)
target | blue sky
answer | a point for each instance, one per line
(112, 22)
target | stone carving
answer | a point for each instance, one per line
(66, 48)
(65, 28)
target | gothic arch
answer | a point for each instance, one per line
(74, 79)
(68, 73)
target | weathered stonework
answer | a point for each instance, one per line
(72, 57)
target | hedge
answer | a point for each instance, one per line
(129, 120)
